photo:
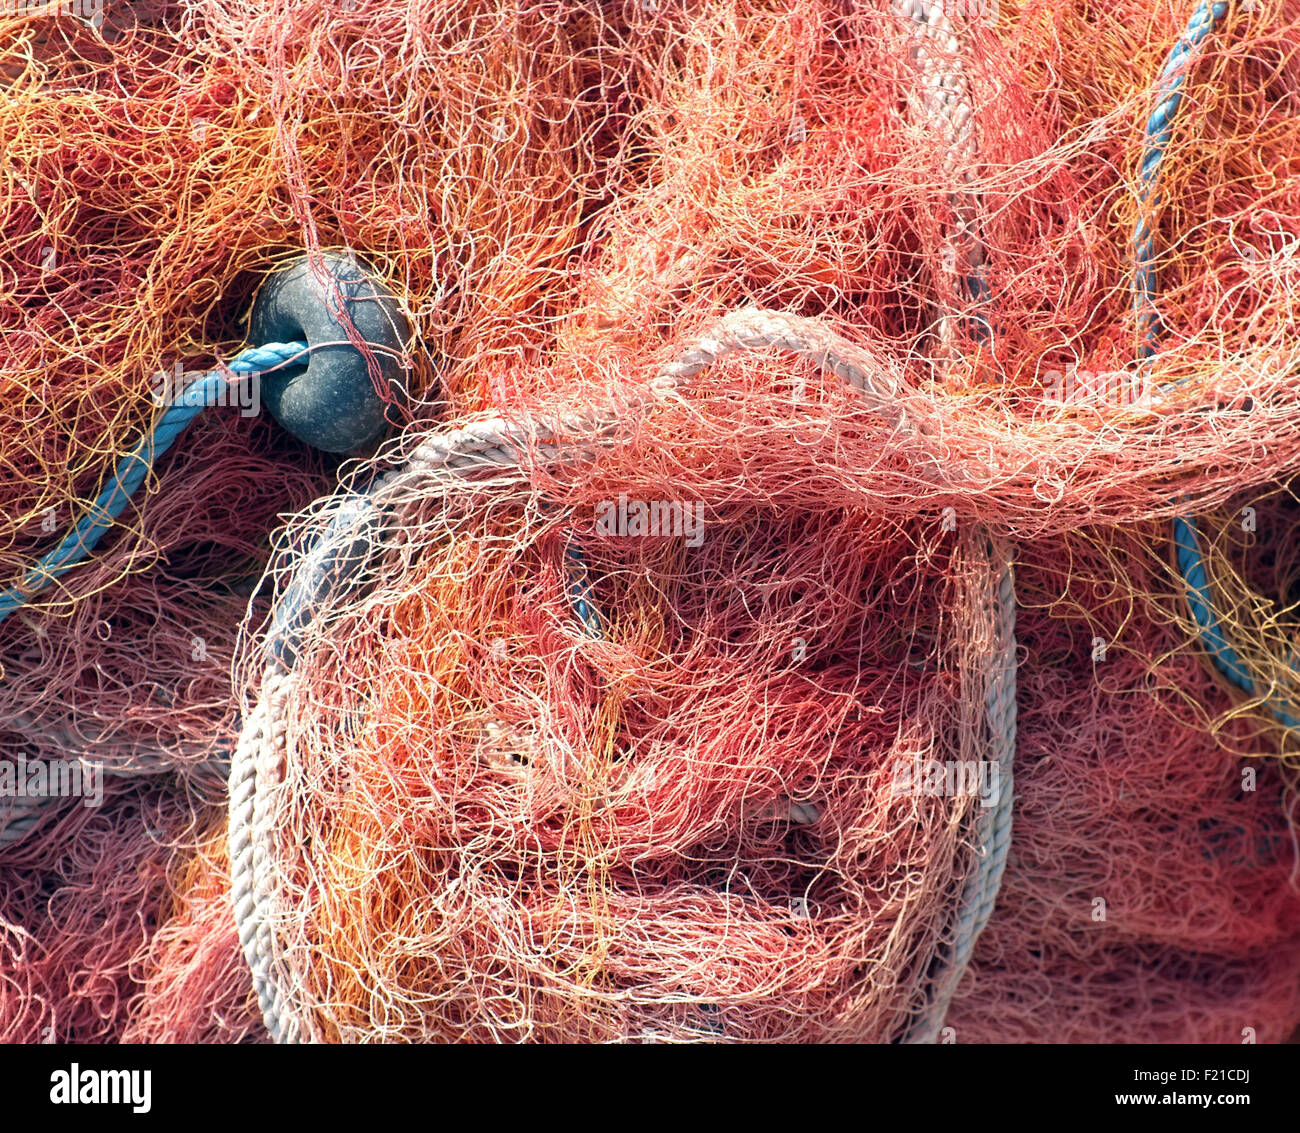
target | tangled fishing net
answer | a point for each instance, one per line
(679, 827)
(1128, 742)
(524, 777)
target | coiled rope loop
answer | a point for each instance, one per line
(477, 456)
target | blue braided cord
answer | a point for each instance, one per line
(580, 591)
(1192, 566)
(1160, 127)
(205, 389)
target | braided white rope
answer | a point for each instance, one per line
(1000, 701)
(996, 605)
(256, 770)
(943, 101)
(497, 443)
(451, 456)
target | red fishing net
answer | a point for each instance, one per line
(506, 827)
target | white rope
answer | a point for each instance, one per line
(256, 769)
(500, 443)
(996, 604)
(942, 102)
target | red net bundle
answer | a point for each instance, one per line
(82, 893)
(1150, 894)
(569, 197)
(496, 825)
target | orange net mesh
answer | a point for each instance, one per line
(563, 194)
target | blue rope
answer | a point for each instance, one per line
(205, 389)
(580, 591)
(1191, 564)
(1187, 545)
(1160, 127)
